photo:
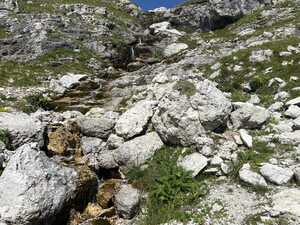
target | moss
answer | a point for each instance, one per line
(185, 87)
(169, 187)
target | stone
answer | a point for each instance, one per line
(297, 175)
(287, 201)
(251, 177)
(276, 174)
(22, 129)
(194, 163)
(174, 49)
(66, 82)
(114, 141)
(246, 138)
(127, 201)
(260, 55)
(90, 145)
(135, 120)
(100, 127)
(138, 150)
(34, 188)
(292, 138)
(295, 101)
(296, 124)
(106, 192)
(184, 120)
(293, 112)
(249, 116)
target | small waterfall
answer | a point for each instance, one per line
(140, 41)
(132, 53)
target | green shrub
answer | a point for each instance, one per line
(34, 102)
(4, 137)
(169, 187)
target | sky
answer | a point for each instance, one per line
(152, 4)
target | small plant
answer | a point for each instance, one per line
(34, 102)
(169, 187)
(4, 137)
(185, 87)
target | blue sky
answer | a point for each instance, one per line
(151, 4)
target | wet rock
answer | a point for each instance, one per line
(193, 163)
(251, 177)
(34, 189)
(276, 174)
(22, 129)
(135, 120)
(127, 201)
(249, 116)
(183, 120)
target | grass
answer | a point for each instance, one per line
(4, 137)
(169, 187)
(231, 81)
(185, 87)
(3, 32)
(30, 73)
(34, 102)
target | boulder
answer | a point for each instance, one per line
(251, 177)
(90, 145)
(114, 141)
(22, 129)
(34, 189)
(175, 48)
(127, 201)
(193, 163)
(292, 138)
(100, 127)
(276, 174)
(135, 120)
(297, 175)
(138, 150)
(186, 113)
(66, 82)
(249, 116)
(287, 201)
(260, 55)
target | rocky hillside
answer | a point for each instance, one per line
(114, 116)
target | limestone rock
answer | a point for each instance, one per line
(135, 120)
(34, 189)
(22, 128)
(287, 201)
(184, 120)
(175, 48)
(127, 201)
(293, 112)
(249, 116)
(251, 177)
(246, 138)
(276, 174)
(193, 163)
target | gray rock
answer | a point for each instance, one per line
(34, 189)
(127, 201)
(296, 124)
(193, 163)
(175, 48)
(260, 55)
(97, 127)
(137, 151)
(91, 145)
(292, 138)
(22, 128)
(184, 120)
(66, 82)
(246, 138)
(276, 174)
(287, 201)
(114, 141)
(135, 120)
(293, 112)
(251, 177)
(249, 116)
(297, 175)
(295, 101)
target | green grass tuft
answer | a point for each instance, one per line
(185, 87)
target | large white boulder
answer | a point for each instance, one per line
(276, 174)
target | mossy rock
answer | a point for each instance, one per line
(185, 87)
